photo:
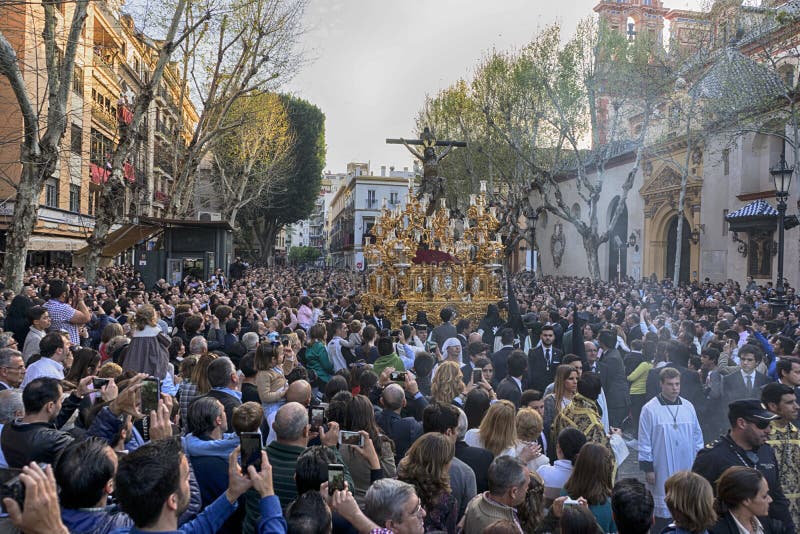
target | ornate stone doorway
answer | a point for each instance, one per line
(661, 193)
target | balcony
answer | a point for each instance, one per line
(104, 117)
(104, 62)
(161, 198)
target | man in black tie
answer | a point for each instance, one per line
(746, 384)
(543, 360)
(378, 319)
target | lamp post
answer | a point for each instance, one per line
(533, 216)
(782, 178)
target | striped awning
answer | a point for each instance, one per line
(757, 208)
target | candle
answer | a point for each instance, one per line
(493, 211)
(472, 199)
(483, 186)
(383, 203)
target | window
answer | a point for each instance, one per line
(726, 161)
(724, 222)
(101, 148)
(75, 198)
(76, 139)
(393, 198)
(77, 81)
(51, 193)
(370, 198)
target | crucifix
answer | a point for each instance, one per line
(432, 183)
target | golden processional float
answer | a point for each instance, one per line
(433, 261)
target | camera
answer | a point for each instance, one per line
(98, 383)
(397, 376)
(11, 487)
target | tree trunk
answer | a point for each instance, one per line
(682, 197)
(591, 246)
(110, 207)
(35, 171)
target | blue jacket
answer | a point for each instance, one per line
(214, 516)
(221, 448)
(95, 520)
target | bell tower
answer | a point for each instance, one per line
(632, 18)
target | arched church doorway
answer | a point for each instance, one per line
(617, 256)
(672, 249)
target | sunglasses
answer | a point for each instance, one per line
(761, 424)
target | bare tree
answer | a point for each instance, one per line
(44, 126)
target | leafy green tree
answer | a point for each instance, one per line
(264, 219)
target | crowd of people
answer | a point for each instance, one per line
(274, 401)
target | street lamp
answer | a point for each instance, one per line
(782, 178)
(533, 216)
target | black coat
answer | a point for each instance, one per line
(727, 525)
(500, 363)
(540, 371)
(479, 460)
(691, 387)
(724, 453)
(509, 390)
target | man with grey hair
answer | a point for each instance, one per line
(402, 430)
(508, 483)
(478, 458)
(11, 409)
(291, 439)
(250, 341)
(395, 506)
(198, 346)
(12, 369)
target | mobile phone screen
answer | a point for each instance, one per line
(316, 416)
(350, 438)
(477, 375)
(149, 393)
(335, 478)
(251, 450)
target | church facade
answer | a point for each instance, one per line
(729, 218)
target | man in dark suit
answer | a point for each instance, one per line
(543, 361)
(788, 371)
(233, 347)
(446, 330)
(224, 383)
(463, 327)
(476, 351)
(612, 375)
(12, 369)
(379, 319)
(500, 357)
(746, 383)
(402, 430)
(691, 387)
(479, 459)
(510, 388)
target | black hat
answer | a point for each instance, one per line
(750, 409)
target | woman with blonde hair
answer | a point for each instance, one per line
(426, 466)
(691, 502)
(529, 428)
(147, 352)
(448, 383)
(498, 434)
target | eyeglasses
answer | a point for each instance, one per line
(417, 509)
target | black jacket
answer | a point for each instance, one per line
(402, 430)
(541, 372)
(500, 363)
(229, 402)
(724, 453)
(508, 389)
(615, 382)
(23, 443)
(726, 525)
(479, 460)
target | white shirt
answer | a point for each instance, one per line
(46, 367)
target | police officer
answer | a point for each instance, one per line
(746, 445)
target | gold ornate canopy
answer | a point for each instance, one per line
(436, 260)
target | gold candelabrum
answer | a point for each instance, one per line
(434, 260)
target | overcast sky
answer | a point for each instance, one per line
(372, 62)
